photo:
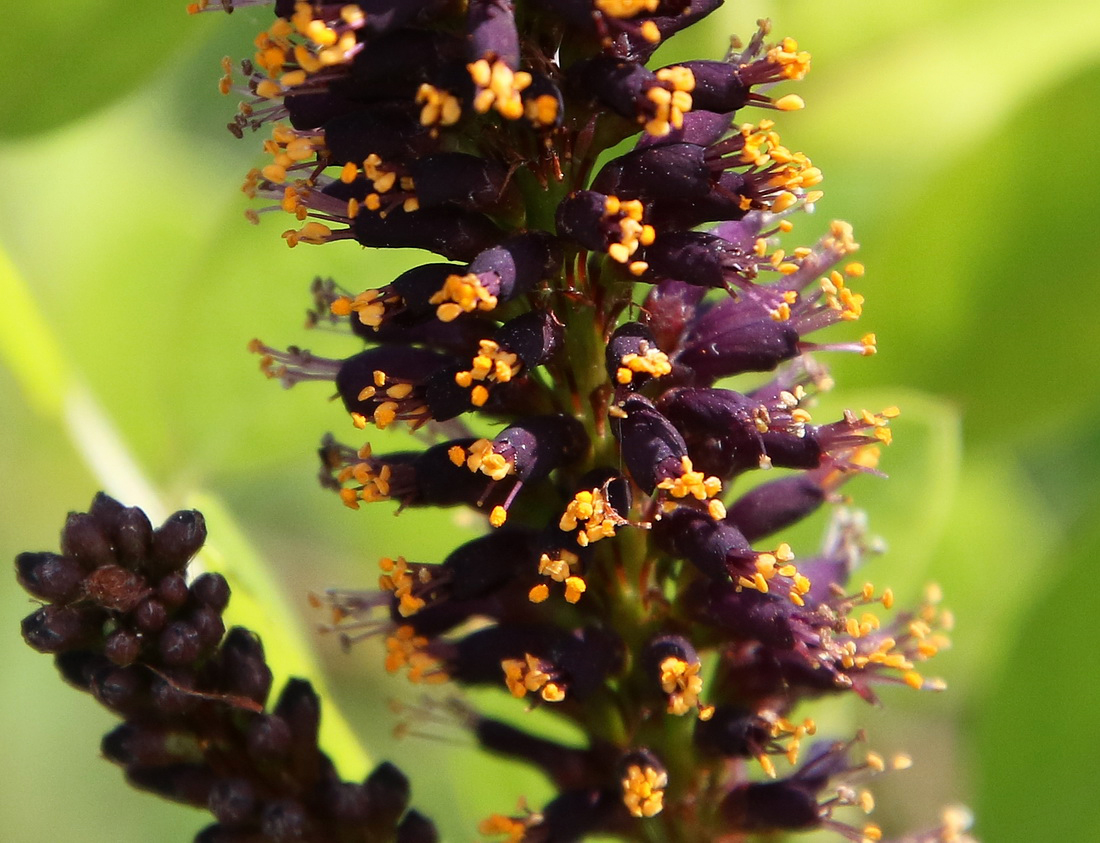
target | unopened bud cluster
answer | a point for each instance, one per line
(124, 624)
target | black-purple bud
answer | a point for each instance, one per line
(693, 257)
(748, 615)
(172, 590)
(416, 828)
(186, 783)
(456, 178)
(240, 666)
(78, 667)
(439, 482)
(134, 744)
(122, 647)
(346, 803)
(784, 805)
(179, 644)
(481, 566)
(208, 625)
(397, 367)
(733, 732)
(534, 337)
(665, 647)
(176, 541)
(55, 629)
(701, 128)
(84, 539)
(124, 690)
(268, 738)
(718, 87)
(233, 801)
(714, 547)
(736, 336)
(173, 694)
(652, 448)
(671, 172)
(538, 445)
(133, 536)
(49, 577)
(105, 510)
(449, 231)
(583, 216)
(388, 791)
(770, 507)
(285, 820)
(518, 263)
(150, 616)
(568, 767)
(211, 590)
(391, 132)
(395, 66)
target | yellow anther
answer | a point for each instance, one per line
(643, 790)
(791, 102)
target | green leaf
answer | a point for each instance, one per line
(64, 59)
(27, 347)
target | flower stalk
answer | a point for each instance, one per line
(609, 339)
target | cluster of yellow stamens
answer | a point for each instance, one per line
(481, 457)
(632, 231)
(877, 422)
(294, 49)
(795, 63)
(777, 564)
(529, 675)
(561, 570)
(492, 364)
(697, 485)
(462, 294)
(370, 305)
(840, 298)
(782, 728)
(681, 681)
(498, 87)
(439, 107)
(593, 514)
(922, 637)
(401, 580)
(406, 649)
(390, 393)
(383, 180)
(372, 485)
(652, 361)
(670, 100)
(644, 790)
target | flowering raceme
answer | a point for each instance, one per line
(612, 243)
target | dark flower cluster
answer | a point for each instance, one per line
(124, 624)
(610, 252)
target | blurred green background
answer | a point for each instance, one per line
(958, 138)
